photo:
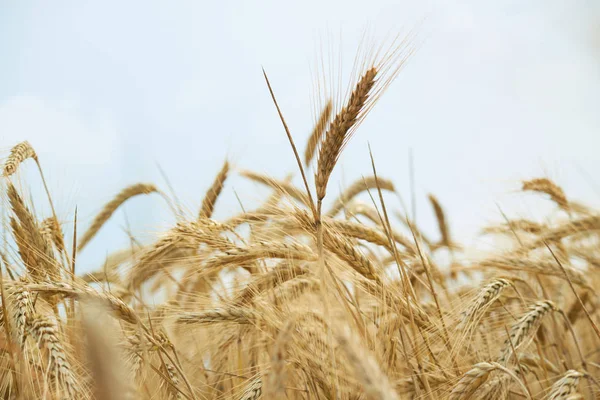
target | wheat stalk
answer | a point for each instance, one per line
(565, 386)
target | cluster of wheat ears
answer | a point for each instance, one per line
(296, 300)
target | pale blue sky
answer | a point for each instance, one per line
(498, 91)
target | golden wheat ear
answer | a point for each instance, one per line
(360, 185)
(341, 130)
(317, 134)
(374, 71)
(18, 154)
(545, 185)
(111, 207)
(208, 204)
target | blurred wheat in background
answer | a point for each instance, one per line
(300, 298)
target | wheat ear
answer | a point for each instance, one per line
(565, 386)
(441, 220)
(471, 381)
(544, 185)
(341, 129)
(111, 207)
(254, 390)
(317, 133)
(44, 330)
(524, 329)
(18, 154)
(208, 204)
(355, 189)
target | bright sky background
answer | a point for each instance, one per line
(499, 91)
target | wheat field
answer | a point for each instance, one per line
(299, 300)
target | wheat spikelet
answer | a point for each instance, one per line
(281, 186)
(52, 233)
(110, 207)
(355, 230)
(499, 387)
(238, 315)
(356, 188)
(208, 204)
(360, 231)
(317, 133)
(125, 312)
(19, 306)
(471, 381)
(243, 256)
(341, 129)
(271, 279)
(204, 231)
(441, 220)
(253, 391)
(18, 154)
(544, 185)
(343, 249)
(290, 290)
(486, 296)
(565, 386)
(33, 248)
(171, 248)
(172, 375)
(524, 329)
(44, 329)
